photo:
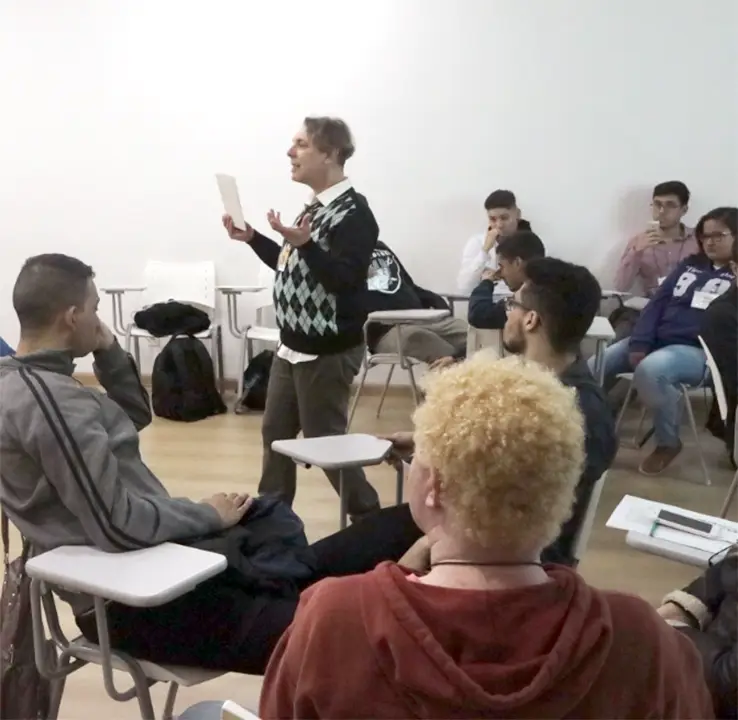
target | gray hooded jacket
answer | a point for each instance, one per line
(70, 464)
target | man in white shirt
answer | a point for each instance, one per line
(320, 289)
(503, 219)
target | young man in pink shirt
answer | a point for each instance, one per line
(651, 255)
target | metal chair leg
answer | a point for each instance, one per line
(413, 384)
(729, 497)
(57, 692)
(626, 403)
(241, 364)
(357, 395)
(343, 500)
(384, 390)
(137, 351)
(168, 713)
(695, 433)
(400, 484)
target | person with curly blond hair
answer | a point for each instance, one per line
(488, 631)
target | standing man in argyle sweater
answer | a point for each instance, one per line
(320, 303)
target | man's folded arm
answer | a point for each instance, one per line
(116, 371)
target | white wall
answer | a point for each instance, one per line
(114, 116)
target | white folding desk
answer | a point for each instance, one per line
(139, 578)
(337, 452)
(638, 517)
(407, 317)
(232, 293)
(668, 549)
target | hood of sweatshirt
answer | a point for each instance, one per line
(519, 647)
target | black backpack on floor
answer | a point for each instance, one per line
(255, 383)
(183, 382)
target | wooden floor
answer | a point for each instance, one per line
(224, 454)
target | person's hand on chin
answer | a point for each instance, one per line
(105, 337)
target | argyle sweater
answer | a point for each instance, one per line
(320, 288)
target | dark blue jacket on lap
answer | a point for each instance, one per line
(674, 315)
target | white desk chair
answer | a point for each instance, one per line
(338, 452)
(186, 282)
(685, 390)
(722, 402)
(399, 319)
(140, 578)
(585, 531)
(258, 332)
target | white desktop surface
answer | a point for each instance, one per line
(241, 288)
(140, 578)
(601, 329)
(638, 517)
(336, 451)
(408, 316)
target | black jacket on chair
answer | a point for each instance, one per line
(720, 333)
(711, 602)
(390, 287)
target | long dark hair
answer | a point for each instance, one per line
(728, 216)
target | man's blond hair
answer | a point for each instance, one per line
(507, 440)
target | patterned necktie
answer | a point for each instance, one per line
(310, 210)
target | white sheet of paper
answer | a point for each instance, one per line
(231, 200)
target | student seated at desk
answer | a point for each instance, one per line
(72, 474)
(487, 312)
(654, 253)
(391, 288)
(706, 611)
(547, 319)
(488, 630)
(503, 219)
(664, 351)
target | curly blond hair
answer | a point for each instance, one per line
(507, 440)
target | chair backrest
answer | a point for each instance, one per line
(187, 282)
(263, 299)
(483, 339)
(585, 530)
(717, 381)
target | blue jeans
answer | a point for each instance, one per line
(657, 379)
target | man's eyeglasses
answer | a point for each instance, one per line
(662, 206)
(511, 303)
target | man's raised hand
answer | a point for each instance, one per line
(234, 233)
(296, 235)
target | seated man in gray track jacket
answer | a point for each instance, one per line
(72, 474)
(59, 434)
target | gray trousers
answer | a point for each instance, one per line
(429, 342)
(311, 397)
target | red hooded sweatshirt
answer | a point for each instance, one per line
(379, 645)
